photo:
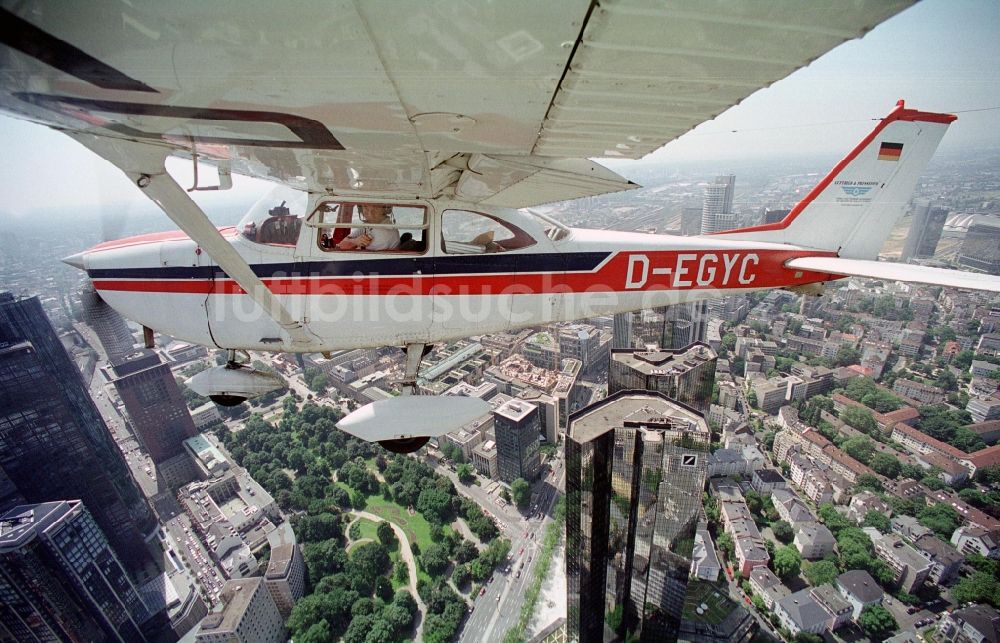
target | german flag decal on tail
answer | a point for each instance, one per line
(890, 151)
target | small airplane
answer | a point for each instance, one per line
(411, 145)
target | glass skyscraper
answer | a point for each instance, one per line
(160, 418)
(516, 426)
(671, 327)
(925, 230)
(60, 580)
(107, 324)
(53, 442)
(686, 375)
(635, 471)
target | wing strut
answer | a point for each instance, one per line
(144, 165)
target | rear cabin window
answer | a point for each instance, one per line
(465, 233)
(368, 227)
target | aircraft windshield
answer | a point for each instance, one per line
(276, 218)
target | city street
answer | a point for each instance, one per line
(492, 617)
(736, 594)
(138, 461)
(499, 608)
(193, 556)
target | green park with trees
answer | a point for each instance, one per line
(318, 475)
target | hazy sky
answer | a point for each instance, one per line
(940, 55)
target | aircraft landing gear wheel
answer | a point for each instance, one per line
(227, 400)
(405, 445)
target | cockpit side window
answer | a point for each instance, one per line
(363, 226)
(466, 232)
(281, 229)
(275, 220)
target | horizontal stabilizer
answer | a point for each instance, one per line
(898, 272)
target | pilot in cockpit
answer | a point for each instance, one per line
(370, 238)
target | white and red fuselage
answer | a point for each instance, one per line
(350, 299)
(451, 286)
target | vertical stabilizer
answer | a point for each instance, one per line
(853, 209)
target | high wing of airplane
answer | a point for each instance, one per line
(493, 103)
(413, 131)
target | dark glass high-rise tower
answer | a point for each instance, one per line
(159, 416)
(53, 442)
(686, 375)
(925, 230)
(60, 581)
(670, 327)
(622, 330)
(635, 470)
(110, 327)
(516, 425)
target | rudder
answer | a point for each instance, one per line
(853, 209)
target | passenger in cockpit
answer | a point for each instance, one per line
(370, 238)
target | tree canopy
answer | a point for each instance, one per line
(520, 490)
(877, 622)
(878, 520)
(861, 419)
(940, 518)
(941, 422)
(465, 473)
(821, 572)
(864, 390)
(782, 531)
(787, 562)
(386, 535)
(859, 447)
(869, 482)
(833, 520)
(980, 587)
(350, 597)
(886, 465)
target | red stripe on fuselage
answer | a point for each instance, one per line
(643, 270)
(154, 237)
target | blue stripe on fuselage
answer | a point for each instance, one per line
(395, 266)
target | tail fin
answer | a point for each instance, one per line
(853, 209)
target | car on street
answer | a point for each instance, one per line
(482, 592)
